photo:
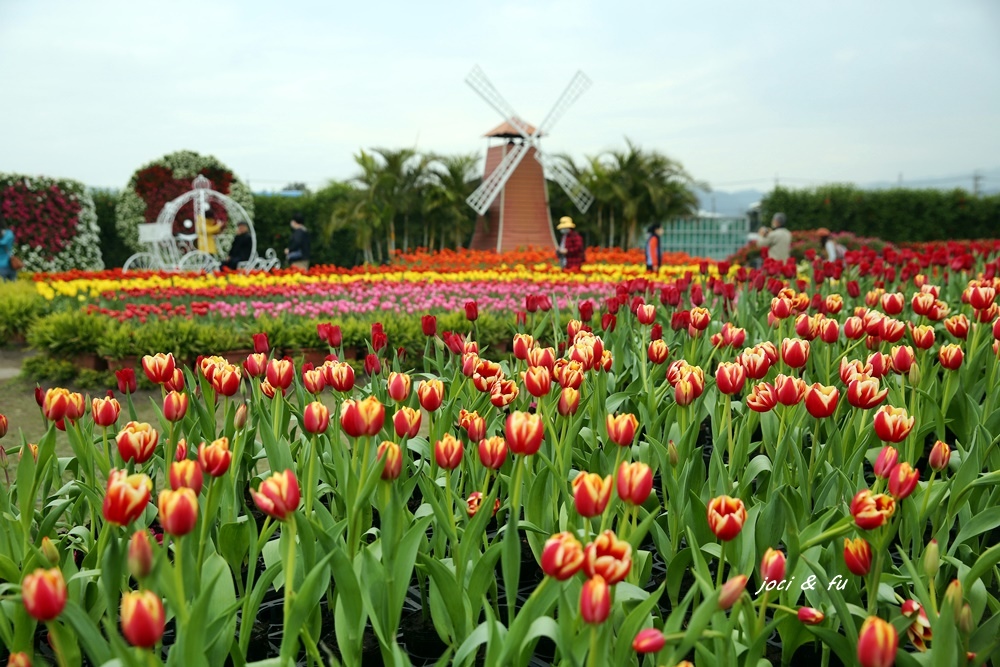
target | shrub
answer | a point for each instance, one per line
(897, 215)
(64, 335)
(20, 306)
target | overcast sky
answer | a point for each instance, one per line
(738, 91)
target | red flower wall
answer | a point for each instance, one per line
(46, 219)
(156, 186)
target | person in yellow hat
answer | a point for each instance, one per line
(571, 251)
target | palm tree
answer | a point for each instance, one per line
(454, 179)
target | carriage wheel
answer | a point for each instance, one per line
(199, 262)
(142, 261)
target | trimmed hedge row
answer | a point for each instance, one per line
(898, 215)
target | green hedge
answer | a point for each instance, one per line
(898, 215)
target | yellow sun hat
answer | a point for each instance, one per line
(566, 222)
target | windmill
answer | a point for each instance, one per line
(512, 201)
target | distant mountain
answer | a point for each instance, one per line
(728, 203)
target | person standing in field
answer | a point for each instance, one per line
(297, 252)
(654, 249)
(7, 269)
(207, 227)
(571, 251)
(777, 240)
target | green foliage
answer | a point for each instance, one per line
(64, 335)
(20, 306)
(42, 368)
(897, 215)
(114, 252)
(272, 213)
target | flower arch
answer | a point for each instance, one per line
(160, 181)
(54, 222)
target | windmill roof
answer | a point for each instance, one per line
(505, 129)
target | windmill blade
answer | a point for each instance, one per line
(487, 191)
(575, 190)
(578, 85)
(478, 82)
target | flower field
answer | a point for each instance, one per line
(716, 465)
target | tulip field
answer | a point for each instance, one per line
(716, 465)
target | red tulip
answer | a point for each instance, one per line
(474, 425)
(142, 618)
(731, 591)
(428, 323)
(215, 458)
(608, 557)
(892, 424)
(523, 344)
(280, 373)
(430, 393)
(44, 594)
(339, 376)
(524, 433)
(903, 480)
(140, 554)
(316, 417)
(493, 452)
(950, 356)
(863, 392)
(398, 386)
(635, 482)
(649, 640)
(730, 377)
(538, 381)
(393, 459)
(105, 412)
(940, 456)
(178, 511)
(569, 401)
(595, 600)
(126, 381)
(175, 406)
(471, 311)
(159, 368)
(877, 643)
(137, 442)
(885, 462)
(406, 422)
(871, 510)
(622, 428)
(795, 352)
(726, 517)
(363, 417)
(858, 556)
(810, 616)
(562, 556)
(762, 397)
(186, 473)
(448, 452)
(278, 496)
(591, 493)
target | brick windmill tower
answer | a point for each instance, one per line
(512, 201)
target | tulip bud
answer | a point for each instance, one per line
(50, 552)
(903, 480)
(810, 616)
(104, 411)
(772, 565)
(398, 386)
(886, 460)
(964, 620)
(393, 459)
(186, 473)
(595, 600)
(954, 596)
(731, 591)
(649, 640)
(877, 643)
(932, 559)
(3, 425)
(940, 456)
(142, 618)
(140, 555)
(858, 556)
(44, 594)
(182, 450)
(240, 420)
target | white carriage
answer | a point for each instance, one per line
(170, 251)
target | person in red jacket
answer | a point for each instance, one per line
(571, 251)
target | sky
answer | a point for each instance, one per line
(741, 93)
